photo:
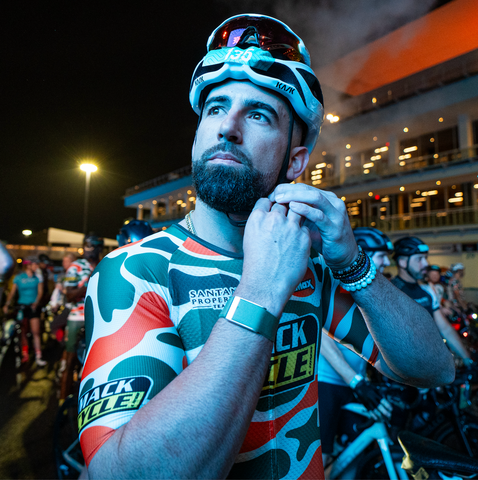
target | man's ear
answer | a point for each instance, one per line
(299, 159)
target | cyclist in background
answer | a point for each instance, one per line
(29, 285)
(342, 372)
(455, 292)
(411, 256)
(75, 283)
(133, 231)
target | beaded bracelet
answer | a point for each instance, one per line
(362, 283)
(358, 275)
(356, 266)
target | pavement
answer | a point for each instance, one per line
(27, 413)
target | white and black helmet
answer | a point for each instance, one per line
(268, 53)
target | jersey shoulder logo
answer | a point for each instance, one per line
(111, 397)
(307, 286)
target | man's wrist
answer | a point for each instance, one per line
(251, 316)
(355, 381)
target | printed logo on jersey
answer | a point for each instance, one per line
(116, 396)
(307, 286)
(293, 357)
(210, 297)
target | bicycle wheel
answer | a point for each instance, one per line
(451, 438)
(372, 465)
(68, 455)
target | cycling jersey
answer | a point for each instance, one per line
(149, 310)
(77, 276)
(27, 287)
(422, 294)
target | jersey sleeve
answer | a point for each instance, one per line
(133, 348)
(343, 320)
(431, 292)
(72, 276)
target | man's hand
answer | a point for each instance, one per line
(327, 221)
(380, 408)
(276, 251)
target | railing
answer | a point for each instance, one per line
(433, 219)
(356, 175)
(161, 180)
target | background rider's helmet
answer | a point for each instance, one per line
(269, 54)
(132, 231)
(434, 268)
(43, 258)
(29, 260)
(408, 246)
(92, 246)
(455, 267)
(372, 240)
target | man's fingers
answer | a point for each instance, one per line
(295, 217)
(318, 217)
(263, 204)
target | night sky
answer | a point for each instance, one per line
(108, 81)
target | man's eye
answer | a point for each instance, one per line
(258, 116)
(213, 110)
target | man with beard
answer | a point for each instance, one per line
(75, 283)
(411, 255)
(203, 339)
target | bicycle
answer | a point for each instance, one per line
(427, 459)
(12, 332)
(66, 444)
(382, 462)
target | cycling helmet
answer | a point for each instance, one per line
(93, 240)
(43, 258)
(132, 231)
(408, 246)
(435, 268)
(372, 240)
(455, 267)
(268, 53)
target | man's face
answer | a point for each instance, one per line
(460, 274)
(66, 262)
(417, 266)
(434, 276)
(239, 146)
(381, 260)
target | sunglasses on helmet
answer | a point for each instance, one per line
(262, 32)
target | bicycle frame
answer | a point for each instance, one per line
(378, 431)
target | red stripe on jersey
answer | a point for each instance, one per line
(315, 469)
(92, 439)
(373, 357)
(151, 312)
(342, 304)
(260, 433)
(196, 247)
(129, 244)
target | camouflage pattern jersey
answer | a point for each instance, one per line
(150, 308)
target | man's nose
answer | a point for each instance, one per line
(230, 128)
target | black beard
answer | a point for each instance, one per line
(230, 189)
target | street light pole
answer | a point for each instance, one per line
(88, 168)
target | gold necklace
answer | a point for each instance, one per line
(189, 223)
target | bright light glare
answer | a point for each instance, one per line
(88, 167)
(27, 233)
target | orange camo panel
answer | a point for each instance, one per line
(92, 439)
(151, 312)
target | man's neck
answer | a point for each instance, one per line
(406, 277)
(214, 227)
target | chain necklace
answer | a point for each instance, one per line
(189, 223)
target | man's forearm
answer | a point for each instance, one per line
(449, 334)
(194, 427)
(406, 335)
